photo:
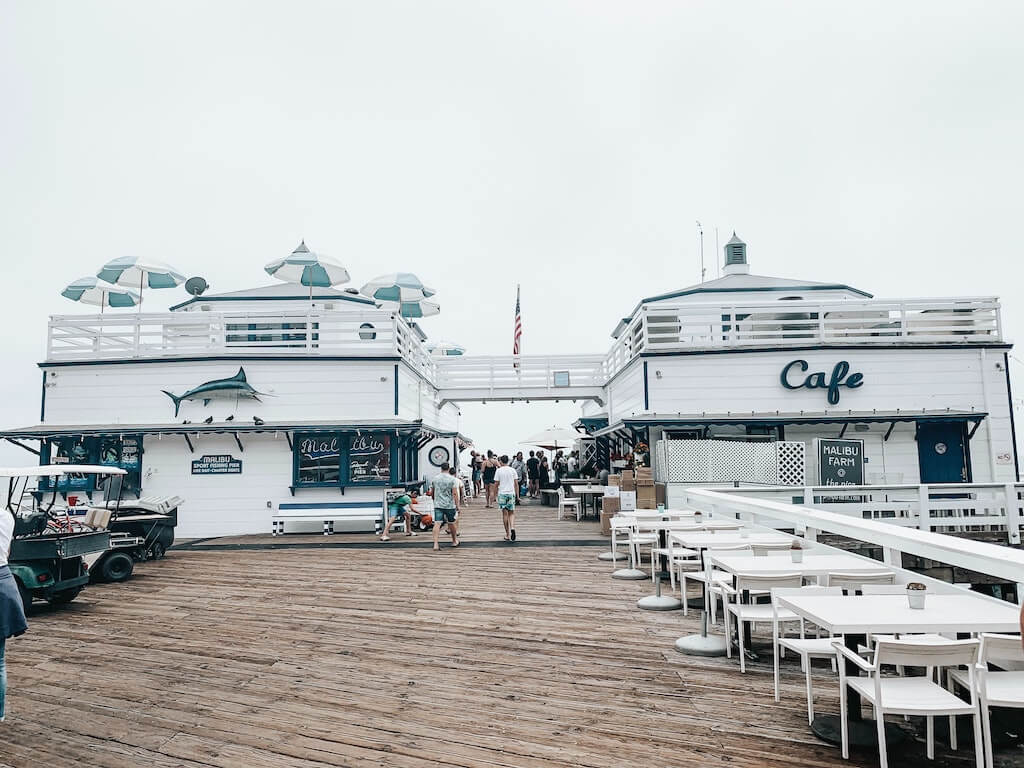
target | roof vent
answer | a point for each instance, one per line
(736, 257)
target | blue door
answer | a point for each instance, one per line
(942, 452)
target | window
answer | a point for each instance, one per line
(318, 459)
(367, 332)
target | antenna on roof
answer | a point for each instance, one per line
(700, 231)
(196, 286)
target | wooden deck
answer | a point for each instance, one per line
(506, 655)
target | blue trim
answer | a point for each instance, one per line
(647, 398)
(346, 297)
(42, 401)
(396, 389)
(1013, 425)
(332, 505)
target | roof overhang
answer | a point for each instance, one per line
(48, 431)
(629, 426)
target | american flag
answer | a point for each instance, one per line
(518, 333)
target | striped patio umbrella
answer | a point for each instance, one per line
(134, 271)
(417, 309)
(397, 287)
(92, 290)
(308, 268)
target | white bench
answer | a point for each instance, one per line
(327, 512)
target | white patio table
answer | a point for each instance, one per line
(812, 565)
(855, 616)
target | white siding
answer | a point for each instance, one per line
(295, 390)
(625, 394)
(223, 505)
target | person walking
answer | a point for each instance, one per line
(446, 509)
(475, 467)
(520, 467)
(12, 612)
(490, 489)
(532, 475)
(460, 499)
(507, 482)
(545, 472)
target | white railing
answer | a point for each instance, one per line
(522, 376)
(181, 334)
(995, 508)
(1004, 563)
(671, 327)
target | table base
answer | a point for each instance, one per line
(612, 556)
(659, 603)
(701, 645)
(863, 733)
(633, 574)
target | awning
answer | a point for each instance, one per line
(591, 424)
(628, 428)
(413, 430)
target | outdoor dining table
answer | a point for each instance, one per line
(702, 539)
(594, 491)
(812, 565)
(855, 616)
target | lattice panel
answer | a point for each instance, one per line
(791, 460)
(725, 461)
(588, 451)
(660, 463)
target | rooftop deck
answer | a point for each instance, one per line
(391, 655)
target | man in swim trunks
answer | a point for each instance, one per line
(507, 480)
(446, 507)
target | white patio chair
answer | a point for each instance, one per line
(704, 576)
(852, 582)
(642, 534)
(806, 648)
(996, 688)
(910, 695)
(620, 526)
(751, 613)
(570, 503)
(678, 556)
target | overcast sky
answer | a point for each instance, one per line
(569, 146)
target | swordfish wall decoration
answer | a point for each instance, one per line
(236, 387)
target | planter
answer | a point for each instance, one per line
(915, 598)
(797, 555)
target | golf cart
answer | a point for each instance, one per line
(49, 546)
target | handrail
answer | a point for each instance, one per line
(1002, 562)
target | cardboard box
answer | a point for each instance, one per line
(627, 501)
(645, 500)
(628, 481)
(611, 491)
(606, 518)
(615, 480)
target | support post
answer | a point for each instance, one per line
(1013, 517)
(924, 513)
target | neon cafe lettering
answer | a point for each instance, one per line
(841, 377)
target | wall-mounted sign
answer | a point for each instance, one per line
(793, 377)
(220, 464)
(369, 458)
(234, 387)
(840, 462)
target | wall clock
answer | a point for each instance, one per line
(438, 455)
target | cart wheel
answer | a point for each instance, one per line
(26, 597)
(117, 566)
(63, 597)
(157, 551)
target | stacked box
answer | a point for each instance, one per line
(628, 480)
(609, 509)
(615, 480)
(645, 497)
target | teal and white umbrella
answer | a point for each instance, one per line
(92, 290)
(416, 309)
(137, 272)
(305, 267)
(446, 349)
(397, 287)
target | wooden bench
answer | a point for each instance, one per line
(327, 512)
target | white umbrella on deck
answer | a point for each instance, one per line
(308, 268)
(397, 287)
(553, 439)
(92, 290)
(136, 272)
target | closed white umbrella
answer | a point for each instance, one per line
(305, 267)
(92, 290)
(134, 271)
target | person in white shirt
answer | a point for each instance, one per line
(507, 480)
(12, 612)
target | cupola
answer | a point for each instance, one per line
(736, 257)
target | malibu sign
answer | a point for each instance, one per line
(840, 377)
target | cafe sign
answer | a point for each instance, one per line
(219, 464)
(795, 376)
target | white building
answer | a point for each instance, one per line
(341, 399)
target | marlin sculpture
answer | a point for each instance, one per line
(236, 386)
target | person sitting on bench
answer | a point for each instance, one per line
(398, 508)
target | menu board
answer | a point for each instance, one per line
(840, 462)
(369, 458)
